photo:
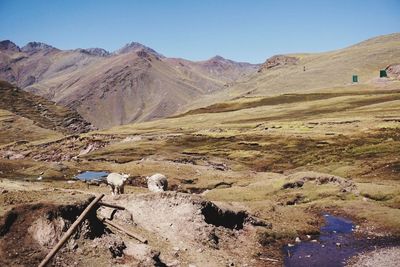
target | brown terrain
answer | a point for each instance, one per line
(132, 84)
(254, 159)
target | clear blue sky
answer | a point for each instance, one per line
(242, 30)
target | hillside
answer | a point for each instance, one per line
(305, 73)
(27, 117)
(135, 83)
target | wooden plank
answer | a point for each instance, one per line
(131, 234)
(111, 205)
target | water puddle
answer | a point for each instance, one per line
(332, 248)
(92, 176)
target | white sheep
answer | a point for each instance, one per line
(117, 181)
(157, 182)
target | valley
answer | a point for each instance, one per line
(274, 147)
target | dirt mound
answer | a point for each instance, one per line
(177, 216)
(298, 179)
(28, 232)
(191, 225)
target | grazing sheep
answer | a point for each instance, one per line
(157, 182)
(117, 181)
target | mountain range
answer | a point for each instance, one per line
(136, 83)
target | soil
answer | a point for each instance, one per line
(388, 257)
(181, 229)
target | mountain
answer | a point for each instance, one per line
(134, 83)
(9, 46)
(218, 68)
(34, 47)
(94, 51)
(134, 47)
(303, 73)
(25, 116)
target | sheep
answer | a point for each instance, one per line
(117, 181)
(157, 182)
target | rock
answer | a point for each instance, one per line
(278, 60)
(85, 151)
(46, 232)
(10, 46)
(295, 184)
(338, 244)
(174, 263)
(393, 71)
(299, 178)
(258, 222)
(58, 166)
(16, 156)
(107, 212)
(142, 252)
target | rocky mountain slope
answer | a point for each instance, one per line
(25, 116)
(135, 83)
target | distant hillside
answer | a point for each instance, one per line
(304, 73)
(135, 83)
(22, 113)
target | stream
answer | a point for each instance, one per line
(92, 176)
(333, 247)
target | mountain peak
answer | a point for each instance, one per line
(137, 47)
(37, 46)
(100, 52)
(218, 57)
(8, 45)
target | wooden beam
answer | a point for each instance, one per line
(111, 205)
(113, 224)
(70, 231)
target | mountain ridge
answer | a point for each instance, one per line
(136, 83)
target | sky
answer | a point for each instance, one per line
(241, 30)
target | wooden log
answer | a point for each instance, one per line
(111, 205)
(70, 231)
(113, 224)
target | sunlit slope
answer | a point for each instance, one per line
(323, 71)
(27, 117)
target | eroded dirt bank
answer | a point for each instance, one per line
(181, 229)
